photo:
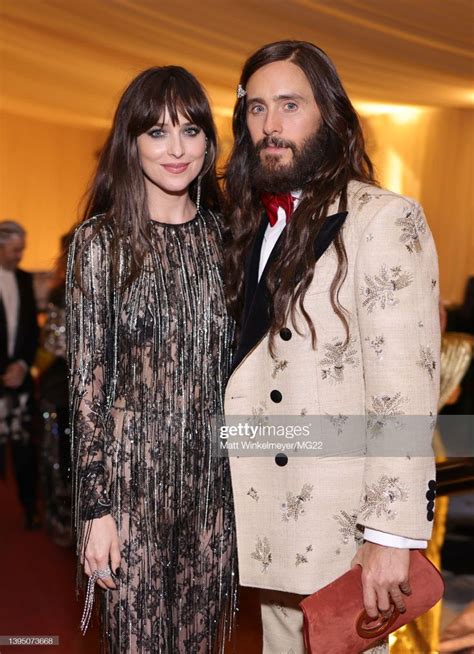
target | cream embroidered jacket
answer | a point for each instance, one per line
(300, 518)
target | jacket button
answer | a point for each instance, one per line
(430, 506)
(429, 516)
(432, 484)
(276, 396)
(281, 459)
(285, 333)
(430, 495)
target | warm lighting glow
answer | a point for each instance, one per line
(470, 97)
(392, 639)
(399, 113)
(393, 177)
(223, 112)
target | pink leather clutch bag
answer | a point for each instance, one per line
(335, 621)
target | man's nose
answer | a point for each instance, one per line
(272, 123)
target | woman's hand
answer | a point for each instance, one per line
(384, 575)
(102, 549)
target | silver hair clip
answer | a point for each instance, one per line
(241, 91)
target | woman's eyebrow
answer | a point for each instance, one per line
(167, 124)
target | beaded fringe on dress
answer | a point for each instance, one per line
(148, 367)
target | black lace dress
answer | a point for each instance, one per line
(148, 369)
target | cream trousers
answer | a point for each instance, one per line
(282, 622)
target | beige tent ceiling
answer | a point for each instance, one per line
(68, 60)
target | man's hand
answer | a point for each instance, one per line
(14, 375)
(384, 575)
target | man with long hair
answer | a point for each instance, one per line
(333, 282)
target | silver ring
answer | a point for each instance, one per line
(106, 572)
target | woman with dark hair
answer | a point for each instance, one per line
(149, 342)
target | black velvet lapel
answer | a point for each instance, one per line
(251, 268)
(328, 233)
(255, 315)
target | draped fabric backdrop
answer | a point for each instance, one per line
(429, 156)
(407, 65)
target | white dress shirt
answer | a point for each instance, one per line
(271, 236)
(11, 302)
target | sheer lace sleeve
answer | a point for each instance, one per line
(89, 318)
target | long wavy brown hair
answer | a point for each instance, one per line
(344, 159)
(117, 191)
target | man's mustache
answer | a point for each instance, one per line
(274, 141)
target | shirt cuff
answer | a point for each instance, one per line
(23, 364)
(390, 540)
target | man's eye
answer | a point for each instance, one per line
(256, 109)
(291, 106)
(155, 132)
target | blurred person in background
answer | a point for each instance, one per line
(18, 344)
(149, 344)
(53, 392)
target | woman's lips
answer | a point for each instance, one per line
(175, 168)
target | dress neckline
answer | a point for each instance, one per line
(197, 215)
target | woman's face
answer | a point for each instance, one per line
(172, 156)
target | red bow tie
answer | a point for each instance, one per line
(271, 202)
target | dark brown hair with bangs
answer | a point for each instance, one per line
(118, 192)
(344, 159)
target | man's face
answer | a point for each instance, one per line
(11, 252)
(282, 114)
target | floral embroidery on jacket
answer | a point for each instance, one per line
(367, 197)
(388, 405)
(348, 527)
(380, 497)
(377, 344)
(338, 422)
(338, 355)
(259, 415)
(427, 361)
(293, 507)
(302, 558)
(412, 225)
(278, 367)
(381, 289)
(384, 408)
(253, 494)
(262, 552)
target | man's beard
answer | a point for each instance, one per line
(271, 176)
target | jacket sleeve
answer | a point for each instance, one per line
(396, 282)
(88, 319)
